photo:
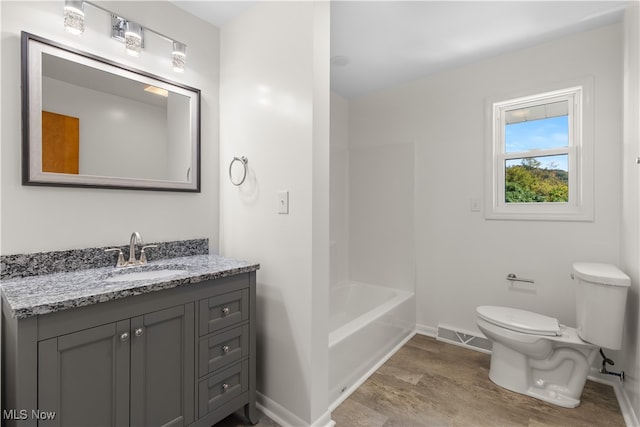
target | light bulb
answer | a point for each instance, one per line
(179, 56)
(74, 16)
(133, 38)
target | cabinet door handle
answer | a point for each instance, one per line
(225, 387)
(139, 331)
(225, 311)
(225, 349)
(124, 336)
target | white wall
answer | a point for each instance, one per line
(274, 93)
(339, 193)
(630, 229)
(372, 208)
(463, 259)
(46, 218)
(381, 215)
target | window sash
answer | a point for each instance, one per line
(574, 183)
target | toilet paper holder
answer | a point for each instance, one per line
(513, 278)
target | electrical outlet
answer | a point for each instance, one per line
(475, 205)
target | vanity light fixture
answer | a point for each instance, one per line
(127, 31)
(74, 16)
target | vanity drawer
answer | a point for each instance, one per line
(224, 310)
(219, 389)
(223, 349)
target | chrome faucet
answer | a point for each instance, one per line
(135, 238)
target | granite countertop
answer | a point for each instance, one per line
(31, 296)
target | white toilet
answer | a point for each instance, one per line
(535, 355)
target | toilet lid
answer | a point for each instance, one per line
(519, 320)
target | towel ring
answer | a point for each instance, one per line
(244, 162)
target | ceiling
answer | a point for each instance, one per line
(379, 44)
(216, 12)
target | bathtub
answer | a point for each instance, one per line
(366, 323)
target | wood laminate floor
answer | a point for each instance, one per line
(431, 383)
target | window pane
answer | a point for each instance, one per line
(538, 127)
(537, 179)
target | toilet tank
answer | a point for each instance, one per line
(601, 296)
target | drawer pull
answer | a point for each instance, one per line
(225, 349)
(124, 336)
(225, 387)
(139, 332)
(225, 311)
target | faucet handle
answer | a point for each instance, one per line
(121, 262)
(143, 256)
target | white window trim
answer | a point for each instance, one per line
(581, 199)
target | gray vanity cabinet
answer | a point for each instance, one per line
(136, 372)
(183, 356)
(162, 364)
(85, 375)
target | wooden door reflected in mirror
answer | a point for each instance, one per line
(60, 143)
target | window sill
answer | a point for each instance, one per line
(522, 213)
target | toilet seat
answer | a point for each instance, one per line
(522, 321)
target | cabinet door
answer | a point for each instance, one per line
(85, 376)
(162, 367)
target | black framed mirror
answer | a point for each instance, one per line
(90, 122)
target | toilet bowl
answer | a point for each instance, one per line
(535, 355)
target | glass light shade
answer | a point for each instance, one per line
(74, 17)
(133, 38)
(179, 56)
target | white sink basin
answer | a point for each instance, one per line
(143, 275)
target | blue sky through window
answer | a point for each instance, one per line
(533, 135)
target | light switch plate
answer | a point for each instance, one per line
(283, 202)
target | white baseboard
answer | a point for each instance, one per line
(630, 416)
(277, 412)
(284, 417)
(324, 421)
(345, 394)
(626, 407)
(429, 331)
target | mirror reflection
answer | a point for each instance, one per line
(92, 123)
